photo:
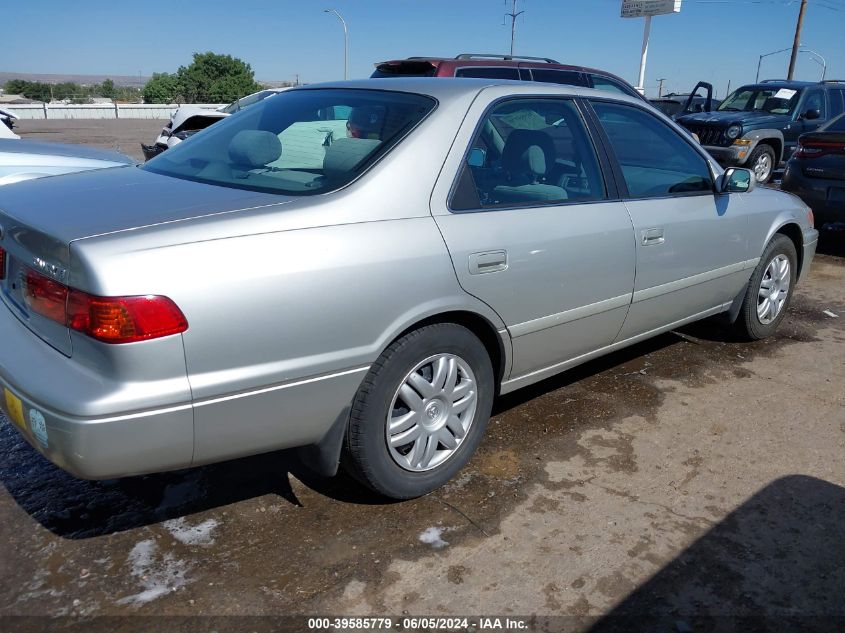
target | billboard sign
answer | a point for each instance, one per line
(647, 8)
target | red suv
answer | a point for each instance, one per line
(505, 67)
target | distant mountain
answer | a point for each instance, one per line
(87, 80)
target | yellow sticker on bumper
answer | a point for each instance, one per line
(14, 407)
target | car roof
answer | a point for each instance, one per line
(453, 87)
(481, 60)
(781, 83)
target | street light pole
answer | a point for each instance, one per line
(345, 41)
(760, 60)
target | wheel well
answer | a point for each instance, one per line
(793, 232)
(478, 325)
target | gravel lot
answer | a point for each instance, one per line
(688, 477)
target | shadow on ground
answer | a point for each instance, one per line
(776, 563)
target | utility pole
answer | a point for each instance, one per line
(345, 42)
(797, 41)
(660, 87)
(514, 14)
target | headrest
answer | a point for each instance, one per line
(344, 154)
(254, 148)
(528, 150)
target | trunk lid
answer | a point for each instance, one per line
(40, 218)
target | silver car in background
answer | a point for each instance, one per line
(25, 160)
(359, 269)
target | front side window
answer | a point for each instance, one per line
(529, 152)
(655, 160)
(481, 72)
(815, 101)
(766, 100)
(301, 142)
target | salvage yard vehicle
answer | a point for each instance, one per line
(676, 105)
(24, 160)
(189, 119)
(7, 124)
(492, 66)
(758, 125)
(816, 172)
(365, 296)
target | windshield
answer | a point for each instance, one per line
(248, 100)
(301, 142)
(768, 100)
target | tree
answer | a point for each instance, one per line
(213, 78)
(161, 88)
(15, 86)
(107, 89)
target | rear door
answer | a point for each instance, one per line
(534, 229)
(692, 243)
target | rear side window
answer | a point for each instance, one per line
(655, 160)
(566, 77)
(837, 101)
(529, 152)
(837, 125)
(489, 72)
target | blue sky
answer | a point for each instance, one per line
(713, 40)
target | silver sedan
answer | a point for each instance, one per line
(358, 269)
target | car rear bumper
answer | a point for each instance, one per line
(90, 447)
(826, 197)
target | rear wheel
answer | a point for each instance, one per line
(420, 412)
(769, 290)
(762, 162)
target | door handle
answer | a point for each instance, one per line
(652, 237)
(488, 262)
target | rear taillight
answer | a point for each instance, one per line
(811, 218)
(2, 264)
(44, 296)
(124, 319)
(817, 149)
(106, 319)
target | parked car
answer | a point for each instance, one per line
(676, 105)
(759, 124)
(491, 66)
(187, 120)
(25, 160)
(7, 124)
(816, 171)
(463, 239)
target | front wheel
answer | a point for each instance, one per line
(421, 411)
(762, 163)
(769, 290)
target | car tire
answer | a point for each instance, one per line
(762, 163)
(769, 291)
(444, 426)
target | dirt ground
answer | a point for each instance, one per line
(689, 480)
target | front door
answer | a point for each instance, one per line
(691, 242)
(533, 232)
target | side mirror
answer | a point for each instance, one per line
(812, 114)
(477, 157)
(737, 180)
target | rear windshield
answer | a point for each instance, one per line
(404, 69)
(301, 142)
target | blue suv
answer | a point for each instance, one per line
(758, 125)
